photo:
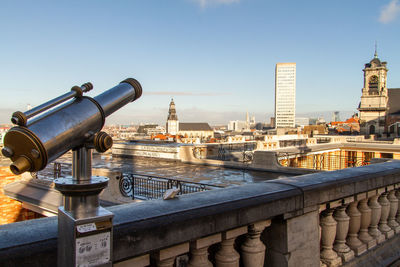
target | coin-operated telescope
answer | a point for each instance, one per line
(44, 133)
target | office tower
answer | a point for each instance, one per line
(285, 95)
(335, 116)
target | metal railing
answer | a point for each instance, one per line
(322, 161)
(140, 186)
(136, 186)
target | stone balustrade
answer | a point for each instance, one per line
(348, 217)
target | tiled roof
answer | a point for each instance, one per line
(394, 101)
(352, 120)
(194, 126)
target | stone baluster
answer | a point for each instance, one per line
(253, 249)
(227, 256)
(394, 205)
(342, 229)
(383, 226)
(199, 251)
(365, 211)
(166, 257)
(375, 218)
(328, 233)
(354, 226)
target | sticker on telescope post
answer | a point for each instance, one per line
(84, 228)
(93, 250)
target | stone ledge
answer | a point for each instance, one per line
(152, 225)
(319, 188)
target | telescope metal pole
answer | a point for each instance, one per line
(84, 227)
(82, 164)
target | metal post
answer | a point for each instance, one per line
(84, 227)
(82, 164)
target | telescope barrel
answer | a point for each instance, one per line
(20, 118)
(127, 91)
(69, 126)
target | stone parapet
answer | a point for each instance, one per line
(301, 212)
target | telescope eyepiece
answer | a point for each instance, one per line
(19, 118)
(21, 165)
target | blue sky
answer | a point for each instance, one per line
(216, 58)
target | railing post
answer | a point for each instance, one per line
(394, 205)
(398, 208)
(199, 251)
(383, 226)
(363, 235)
(294, 241)
(355, 221)
(376, 210)
(253, 249)
(328, 233)
(133, 185)
(341, 233)
(227, 256)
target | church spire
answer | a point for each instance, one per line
(172, 111)
(376, 50)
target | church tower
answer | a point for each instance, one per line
(172, 120)
(374, 97)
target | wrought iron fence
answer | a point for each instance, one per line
(224, 150)
(151, 187)
(322, 161)
(136, 186)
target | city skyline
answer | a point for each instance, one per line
(215, 58)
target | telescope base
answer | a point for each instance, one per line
(85, 241)
(84, 228)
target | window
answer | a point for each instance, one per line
(373, 85)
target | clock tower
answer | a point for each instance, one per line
(374, 97)
(172, 120)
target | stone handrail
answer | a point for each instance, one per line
(289, 209)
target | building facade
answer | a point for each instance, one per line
(379, 106)
(285, 95)
(374, 98)
(200, 130)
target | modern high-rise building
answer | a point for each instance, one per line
(285, 95)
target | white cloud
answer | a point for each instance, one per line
(206, 3)
(389, 12)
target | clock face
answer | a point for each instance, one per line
(373, 79)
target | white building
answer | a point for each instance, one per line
(302, 121)
(285, 95)
(237, 126)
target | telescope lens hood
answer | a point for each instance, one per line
(136, 85)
